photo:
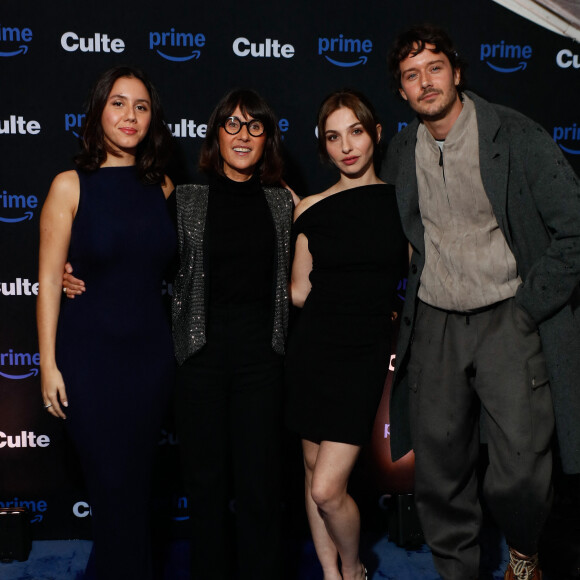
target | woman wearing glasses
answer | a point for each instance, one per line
(230, 319)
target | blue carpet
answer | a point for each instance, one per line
(50, 560)
(65, 560)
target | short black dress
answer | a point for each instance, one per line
(339, 349)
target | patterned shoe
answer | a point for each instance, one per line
(523, 567)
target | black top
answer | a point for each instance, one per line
(356, 242)
(241, 242)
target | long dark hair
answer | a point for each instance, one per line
(252, 105)
(413, 41)
(152, 153)
(363, 110)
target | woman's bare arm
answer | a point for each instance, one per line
(55, 230)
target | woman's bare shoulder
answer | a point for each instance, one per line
(309, 201)
(65, 181)
(65, 189)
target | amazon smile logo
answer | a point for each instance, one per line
(185, 44)
(571, 137)
(180, 513)
(505, 58)
(21, 365)
(16, 208)
(345, 52)
(73, 123)
(36, 507)
(14, 41)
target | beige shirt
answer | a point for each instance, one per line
(468, 264)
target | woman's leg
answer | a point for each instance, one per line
(332, 513)
(325, 548)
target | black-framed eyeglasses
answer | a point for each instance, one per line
(233, 126)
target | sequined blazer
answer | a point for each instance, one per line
(189, 290)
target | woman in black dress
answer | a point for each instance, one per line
(107, 361)
(350, 254)
(230, 314)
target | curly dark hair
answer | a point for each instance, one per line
(152, 153)
(252, 105)
(413, 41)
(363, 110)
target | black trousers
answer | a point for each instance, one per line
(228, 413)
(463, 367)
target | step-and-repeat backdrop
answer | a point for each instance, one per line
(293, 53)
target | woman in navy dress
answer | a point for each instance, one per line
(350, 255)
(107, 363)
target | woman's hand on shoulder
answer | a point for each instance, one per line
(167, 187)
(295, 197)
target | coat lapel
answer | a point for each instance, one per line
(494, 160)
(407, 193)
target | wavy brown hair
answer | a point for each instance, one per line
(152, 153)
(413, 41)
(363, 110)
(253, 106)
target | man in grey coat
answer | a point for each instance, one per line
(491, 323)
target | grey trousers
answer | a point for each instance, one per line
(462, 367)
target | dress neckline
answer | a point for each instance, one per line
(118, 167)
(340, 194)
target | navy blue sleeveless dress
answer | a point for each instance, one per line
(114, 349)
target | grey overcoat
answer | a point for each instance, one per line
(535, 196)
